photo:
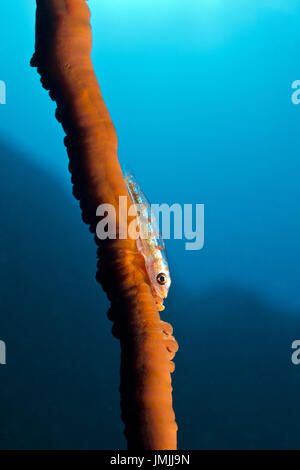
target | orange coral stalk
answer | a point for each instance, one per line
(62, 57)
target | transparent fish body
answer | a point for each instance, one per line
(149, 242)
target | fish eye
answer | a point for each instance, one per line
(161, 278)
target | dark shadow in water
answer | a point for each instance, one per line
(234, 384)
(59, 388)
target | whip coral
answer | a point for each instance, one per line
(63, 59)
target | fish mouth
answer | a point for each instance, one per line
(163, 294)
(160, 294)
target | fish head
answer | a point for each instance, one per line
(160, 278)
